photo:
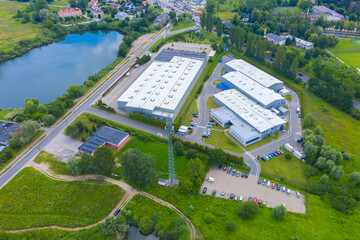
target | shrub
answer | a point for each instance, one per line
(247, 210)
(146, 225)
(311, 171)
(279, 212)
(209, 218)
(288, 156)
(230, 226)
(324, 179)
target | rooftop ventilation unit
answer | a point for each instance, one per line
(131, 97)
(170, 96)
(148, 92)
(152, 100)
(166, 81)
(162, 87)
(136, 90)
(157, 93)
(158, 80)
(174, 90)
(144, 98)
(153, 86)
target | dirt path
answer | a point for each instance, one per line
(130, 192)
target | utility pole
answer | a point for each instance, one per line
(172, 177)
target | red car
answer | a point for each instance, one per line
(192, 120)
(273, 185)
(225, 167)
(255, 200)
(260, 202)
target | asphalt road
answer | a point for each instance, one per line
(52, 132)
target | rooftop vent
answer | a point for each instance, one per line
(152, 100)
(153, 86)
(157, 93)
(174, 90)
(170, 96)
(162, 87)
(144, 98)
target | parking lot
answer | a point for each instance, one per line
(248, 187)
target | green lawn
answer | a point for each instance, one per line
(55, 164)
(258, 143)
(60, 2)
(288, 97)
(11, 30)
(31, 199)
(94, 233)
(211, 104)
(189, 115)
(293, 169)
(219, 139)
(182, 25)
(291, 9)
(348, 50)
(8, 114)
(225, 16)
(159, 152)
(143, 207)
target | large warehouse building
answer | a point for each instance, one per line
(163, 87)
(254, 73)
(265, 97)
(248, 121)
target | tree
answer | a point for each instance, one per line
(324, 179)
(74, 91)
(330, 164)
(247, 210)
(288, 156)
(172, 15)
(219, 28)
(191, 154)
(49, 24)
(321, 163)
(26, 18)
(336, 172)
(318, 130)
(26, 131)
(49, 119)
(196, 168)
(287, 41)
(311, 171)
(111, 225)
(6, 155)
(31, 106)
(122, 50)
(186, 186)
(279, 212)
(42, 109)
(179, 148)
(355, 178)
(308, 120)
(146, 225)
(323, 41)
(14, 144)
(39, 4)
(211, 6)
(138, 168)
(311, 152)
(74, 166)
(217, 156)
(104, 160)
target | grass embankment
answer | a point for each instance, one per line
(182, 25)
(54, 164)
(31, 199)
(292, 169)
(348, 50)
(189, 115)
(219, 139)
(264, 225)
(11, 30)
(226, 16)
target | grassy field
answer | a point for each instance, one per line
(143, 207)
(211, 104)
(8, 114)
(225, 16)
(94, 233)
(159, 153)
(291, 9)
(320, 222)
(258, 143)
(54, 164)
(60, 2)
(189, 115)
(293, 169)
(182, 25)
(11, 30)
(348, 50)
(219, 139)
(33, 200)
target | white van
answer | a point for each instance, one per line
(210, 179)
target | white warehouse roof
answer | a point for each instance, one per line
(251, 71)
(260, 118)
(162, 85)
(252, 88)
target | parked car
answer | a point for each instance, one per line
(250, 199)
(273, 186)
(246, 175)
(231, 196)
(283, 189)
(222, 195)
(266, 158)
(299, 140)
(117, 212)
(263, 158)
(280, 151)
(225, 167)
(264, 203)
(241, 198)
(204, 190)
(297, 194)
(233, 172)
(220, 166)
(214, 192)
(260, 180)
(278, 186)
(237, 173)
(195, 115)
(260, 202)
(192, 120)
(229, 170)
(205, 135)
(264, 182)
(254, 199)
(268, 184)
(242, 174)
(236, 197)
(212, 120)
(288, 191)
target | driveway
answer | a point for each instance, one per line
(248, 187)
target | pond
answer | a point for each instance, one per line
(134, 234)
(46, 72)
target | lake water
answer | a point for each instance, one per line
(46, 72)
(134, 234)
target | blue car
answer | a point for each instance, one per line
(238, 174)
(220, 166)
(246, 175)
(233, 172)
(229, 170)
(264, 182)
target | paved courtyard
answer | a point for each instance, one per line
(63, 147)
(248, 187)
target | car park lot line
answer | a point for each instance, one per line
(248, 187)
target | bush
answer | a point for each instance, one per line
(317, 188)
(230, 226)
(324, 179)
(279, 212)
(311, 171)
(191, 154)
(288, 156)
(209, 218)
(247, 210)
(146, 225)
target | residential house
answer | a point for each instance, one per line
(129, 6)
(198, 2)
(246, 17)
(91, 3)
(275, 39)
(162, 19)
(96, 11)
(122, 16)
(144, 3)
(227, 25)
(69, 12)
